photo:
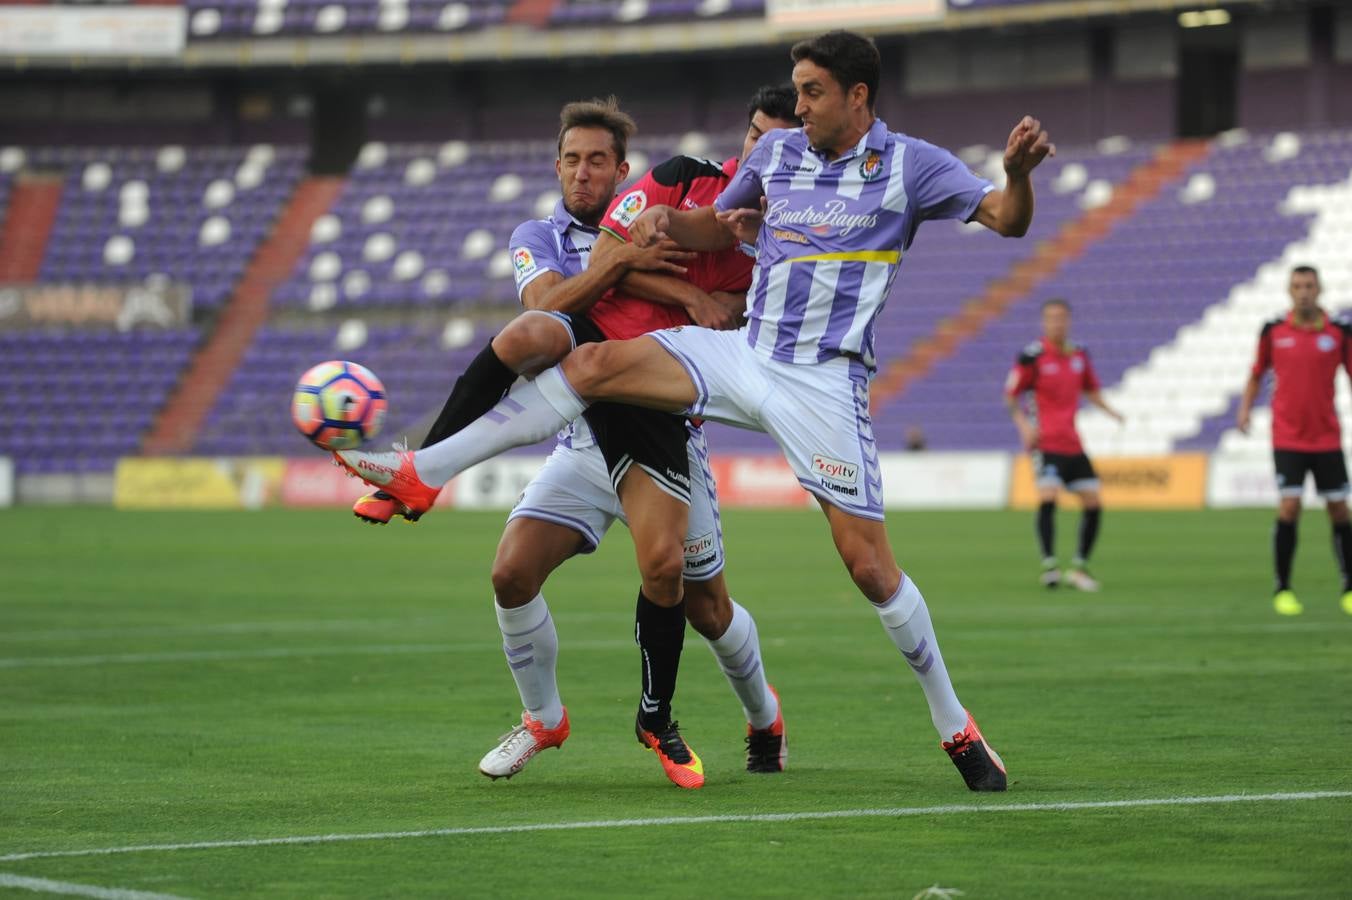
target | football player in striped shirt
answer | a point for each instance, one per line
(839, 201)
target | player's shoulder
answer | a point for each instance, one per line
(1030, 353)
(532, 231)
(685, 169)
(1270, 324)
(1343, 322)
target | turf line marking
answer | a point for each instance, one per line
(46, 886)
(191, 656)
(884, 813)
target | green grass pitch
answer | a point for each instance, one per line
(172, 678)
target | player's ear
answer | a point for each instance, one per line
(623, 170)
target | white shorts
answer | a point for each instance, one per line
(817, 413)
(573, 489)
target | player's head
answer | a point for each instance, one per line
(836, 75)
(593, 137)
(1056, 320)
(1304, 289)
(771, 107)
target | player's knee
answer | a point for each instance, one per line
(513, 584)
(872, 574)
(708, 611)
(662, 566)
(531, 342)
(1338, 511)
(1289, 509)
(587, 368)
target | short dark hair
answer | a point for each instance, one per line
(778, 101)
(1305, 270)
(598, 113)
(1057, 301)
(850, 58)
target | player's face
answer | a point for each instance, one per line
(1304, 290)
(1056, 323)
(761, 123)
(588, 172)
(822, 105)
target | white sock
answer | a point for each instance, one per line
(532, 648)
(738, 654)
(907, 621)
(531, 412)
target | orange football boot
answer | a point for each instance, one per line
(680, 763)
(392, 473)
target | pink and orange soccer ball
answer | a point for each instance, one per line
(339, 405)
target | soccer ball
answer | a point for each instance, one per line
(338, 405)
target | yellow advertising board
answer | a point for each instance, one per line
(1177, 481)
(197, 483)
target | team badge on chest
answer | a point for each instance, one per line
(872, 166)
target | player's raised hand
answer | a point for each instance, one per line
(745, 224)
(1028, 145)
(651, 226)
(665, 256)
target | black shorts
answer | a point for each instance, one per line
(632, 435)
(1073, 472)
(1329, 468)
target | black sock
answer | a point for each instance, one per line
(1089, 528)
(1284, 550)
(481, 386)
(659, 632)
(1342, 551)
(1046, 528)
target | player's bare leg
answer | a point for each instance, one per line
(638, 372)
(731, 634)
(1342, 548)
(529, 551)
(657, 522)
(1090, 516)
(1284, 601)
(528, 344)
(1046, 535)
(868, 556)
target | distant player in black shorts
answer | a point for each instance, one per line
(1057, 372)
(1304, 349)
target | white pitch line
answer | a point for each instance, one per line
(176, 656)
(46, 886)
(884, 813)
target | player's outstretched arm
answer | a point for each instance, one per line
(1096, 398)
(551, 291)
(1009, 212)
(668, 290)
(693, 229)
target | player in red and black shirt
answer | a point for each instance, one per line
(1304, 350)
(1057, 373)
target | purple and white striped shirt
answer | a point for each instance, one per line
(834, 234)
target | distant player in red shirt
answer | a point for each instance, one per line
(1304, 350)
(1058, 373)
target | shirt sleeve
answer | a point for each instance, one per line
(746, 188)
(941, 185)
(535, 251)
(1089, 380)
(1022, 376)
(1263, 361)
(647, 191)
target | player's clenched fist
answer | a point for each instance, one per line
(1028, 145)
(651, 226)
